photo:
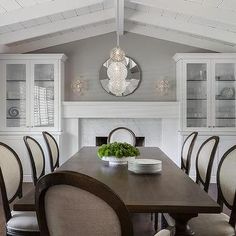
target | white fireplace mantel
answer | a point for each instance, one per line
(120, 110)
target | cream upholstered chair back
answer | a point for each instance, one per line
(122, 134)
(204, 161)
(53, 150)
(11, 177)
(11, 170)
(226, 178)
(70, 203)
(37, 158)
(186, 152)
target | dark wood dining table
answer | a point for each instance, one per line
(170, 191)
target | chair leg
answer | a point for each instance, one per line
(155, 221)
(164, 223)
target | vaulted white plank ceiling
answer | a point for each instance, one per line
(27, 25)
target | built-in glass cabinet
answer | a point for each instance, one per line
(196, 101)
(30, 92)
(206, 91)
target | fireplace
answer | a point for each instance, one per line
(155, 124)
(94, 131)
(140, 141)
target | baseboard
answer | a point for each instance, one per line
(27, 178)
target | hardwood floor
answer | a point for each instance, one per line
(143, 226)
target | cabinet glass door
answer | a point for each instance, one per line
(15, 94)
(196, 99)
(224, 87)
(43, 94)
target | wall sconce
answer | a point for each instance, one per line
(79, 86)
(163, 86)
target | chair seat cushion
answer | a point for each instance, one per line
(23, 221)
(211, 225)
(163, 232)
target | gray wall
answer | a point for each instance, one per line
(154, 57)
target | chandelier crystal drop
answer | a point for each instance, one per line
(117, 70)
(117, 54)
(117, 86)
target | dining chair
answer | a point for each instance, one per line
(204, 161)
(53, 150)
(186, 152)
(122, 134)
(11, 178)
(221, 224)
(71, 203)
(37, 158)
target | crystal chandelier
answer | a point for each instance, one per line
(117, 70)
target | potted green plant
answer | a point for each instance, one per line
(117, 153)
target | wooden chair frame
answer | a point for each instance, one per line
(114, 130)
(206, 183)
(221, 200)
(186, 168)
(18, 193)
(52, 166)
(86, 183)
(34, 172)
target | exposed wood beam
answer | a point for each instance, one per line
(190, 8)
(42, 10)
(178, 37)
(178, 25)
(119, 8)
(57, 26)
(61, 39)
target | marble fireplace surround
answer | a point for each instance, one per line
(156, 121)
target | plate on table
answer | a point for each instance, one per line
(145, 166)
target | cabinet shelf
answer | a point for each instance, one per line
(192, 99)
(43, 80)
(16, 118)
(225, 99)
(15, 99)
(16, 80)
(197, 80)
(225, 118)
(196, 118)
(225, 80)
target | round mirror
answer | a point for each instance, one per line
(133, 77)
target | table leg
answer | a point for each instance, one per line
(181, 226)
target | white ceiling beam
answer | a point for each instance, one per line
(119, 8)
(4, 48)
(63, 38)
(177, 37)
(42, 10)
(57, 26)
(192, 8)
(179, 25)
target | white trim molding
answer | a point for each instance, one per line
(120, 110)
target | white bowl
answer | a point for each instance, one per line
(118, 161)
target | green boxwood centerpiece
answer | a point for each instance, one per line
(118, 150)
(117, 153)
